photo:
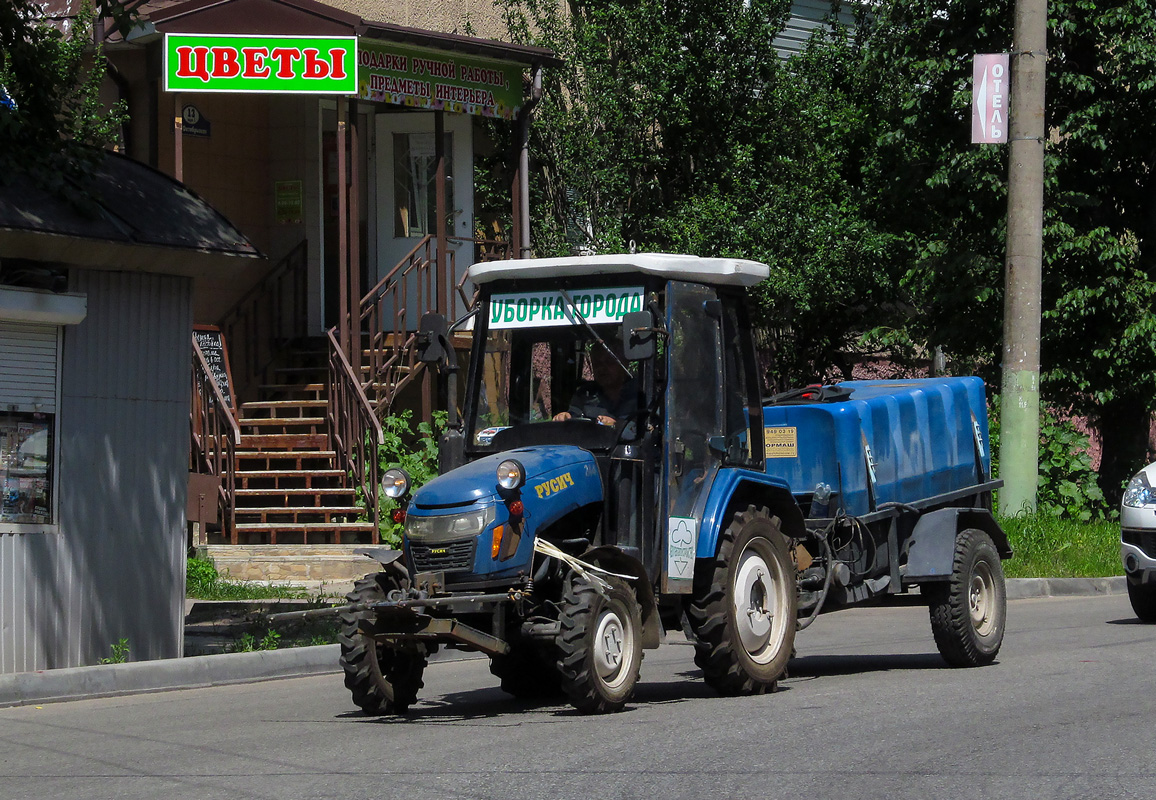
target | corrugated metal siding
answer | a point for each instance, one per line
(807, 16)
(115, 570)
(28, 366)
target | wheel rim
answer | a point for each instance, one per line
(981, 599)
(613, 648)
(758, 594)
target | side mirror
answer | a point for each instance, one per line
(432, 338)
(638, 333)
(717, 445)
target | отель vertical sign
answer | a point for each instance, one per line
(989, 107)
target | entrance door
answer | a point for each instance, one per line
(406, 188)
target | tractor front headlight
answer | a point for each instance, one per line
(394, 483)
(511, 474)
(448, 527)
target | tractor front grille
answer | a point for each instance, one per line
(444, 556)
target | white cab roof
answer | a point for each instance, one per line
(727, 271)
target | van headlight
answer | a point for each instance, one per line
(448, 527)
(1139, 493)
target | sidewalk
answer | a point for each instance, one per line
(110, 680)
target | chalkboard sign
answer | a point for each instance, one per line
(212, 345)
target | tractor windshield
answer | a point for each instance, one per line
(566, 368)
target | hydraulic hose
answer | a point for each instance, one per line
(830, 557)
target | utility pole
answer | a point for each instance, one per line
(1020, 394)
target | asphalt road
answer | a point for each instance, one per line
(870, 711)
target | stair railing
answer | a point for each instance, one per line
(390, 311)
(268, 318)
(388, 317)
(354, 432)
(214, 438)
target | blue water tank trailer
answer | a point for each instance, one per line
(886, 442)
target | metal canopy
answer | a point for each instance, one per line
(133, 217)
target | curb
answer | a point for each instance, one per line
(139, 677)
(194, 672)
(1025, 588)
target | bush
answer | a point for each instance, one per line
(203, 582)
(1068, 485)
(415, 452)
(201, 578)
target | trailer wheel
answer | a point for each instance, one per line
(969, 611)
(526, 673)
(600, 644)
(743, 611)
(1142, 596)
(384, 679)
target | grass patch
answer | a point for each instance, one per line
(1050, 547)
(203, 582)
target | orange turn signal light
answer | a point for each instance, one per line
(496, 547)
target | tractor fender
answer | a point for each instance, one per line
(389, 559)
(614, 560)
(735, 489)
(931, 551)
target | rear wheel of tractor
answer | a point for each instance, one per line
(383, 678)
(1143, 599)
(526, 673)
(969, 611)
(600, 643)
(743, 611)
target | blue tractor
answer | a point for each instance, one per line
(615, 473)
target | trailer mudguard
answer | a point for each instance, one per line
(931, 552)
(744, 486)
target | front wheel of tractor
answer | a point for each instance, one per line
(383, 678)
(600, 643)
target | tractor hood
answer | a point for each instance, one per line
(553, 473)
(559, 480)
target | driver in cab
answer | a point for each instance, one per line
(611, 395)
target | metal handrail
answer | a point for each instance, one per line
(387, 361)
(390, 310)
(214, 438)
(354, 431)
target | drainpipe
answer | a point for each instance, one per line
(524, 162)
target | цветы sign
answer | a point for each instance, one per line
(437, 80)
(265, 64)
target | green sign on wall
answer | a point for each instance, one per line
(437, 79)
(261, 64)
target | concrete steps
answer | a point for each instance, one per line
(297, 564)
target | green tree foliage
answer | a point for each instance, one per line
(946, 198)
(1067, 481)
(53, 72)
(674, 124)
(851, 172)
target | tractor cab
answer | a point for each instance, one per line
(644, 362)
